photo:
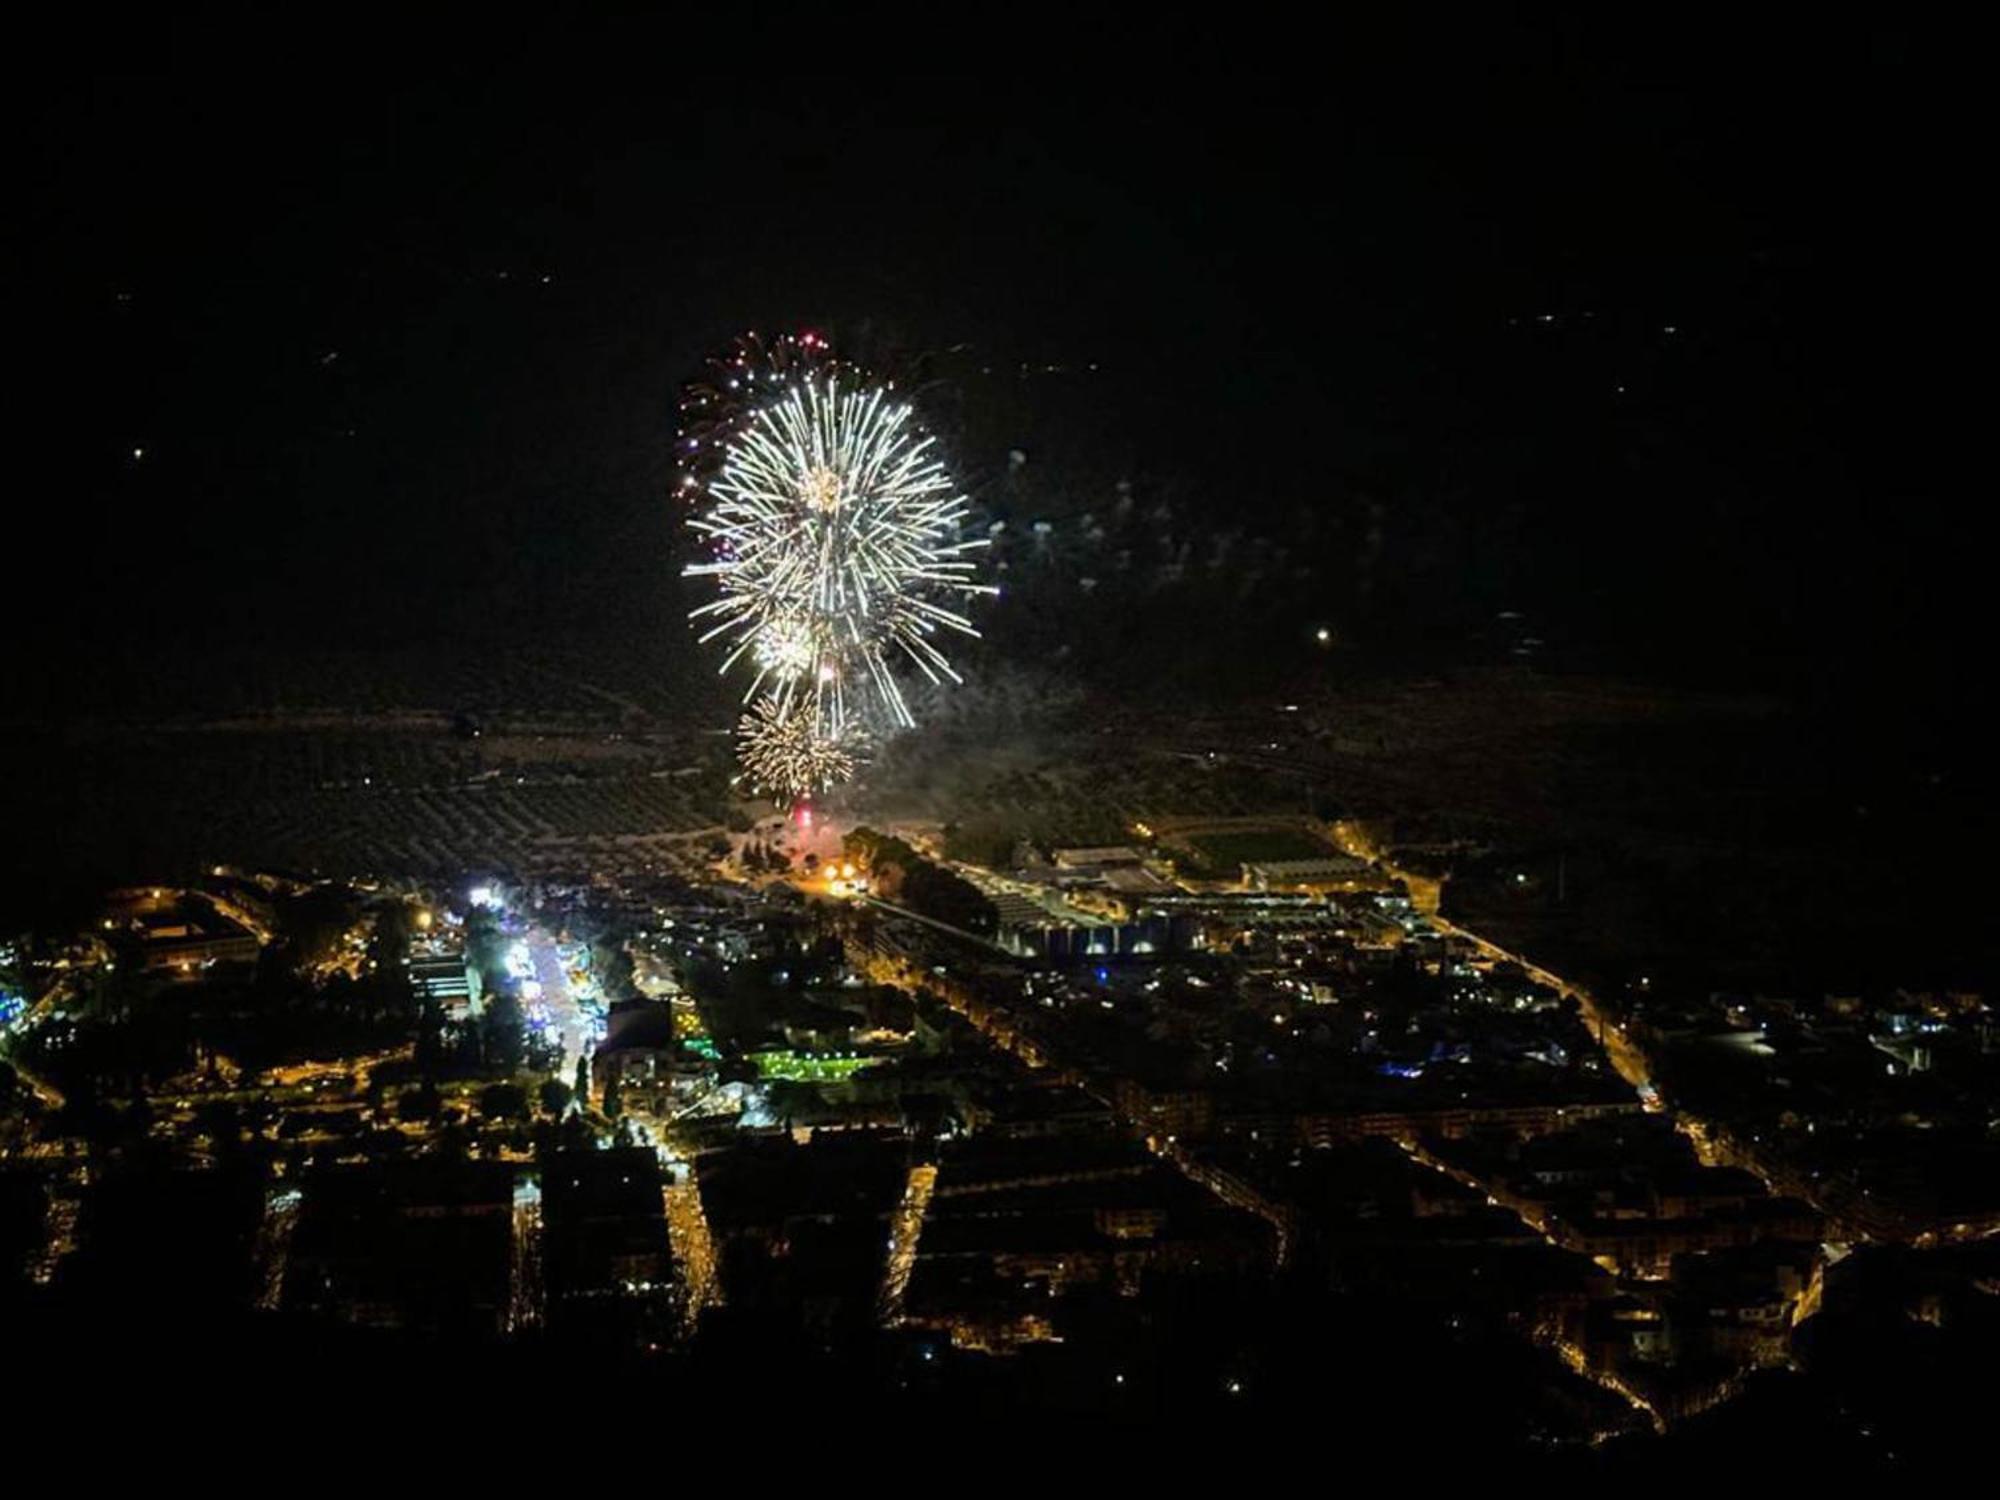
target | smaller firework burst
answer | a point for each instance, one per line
(789, 751)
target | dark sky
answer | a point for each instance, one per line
(1662, 327)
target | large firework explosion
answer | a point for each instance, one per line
(833, 534)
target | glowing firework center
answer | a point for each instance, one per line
(833, 536)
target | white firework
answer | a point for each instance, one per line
(834, 539)
(786, 648)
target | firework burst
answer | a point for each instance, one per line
(788, 752)
(833, 535)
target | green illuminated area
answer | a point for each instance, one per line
(809, 1067)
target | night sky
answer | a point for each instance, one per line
(356, 327)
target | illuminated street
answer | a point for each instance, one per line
(572, 1019)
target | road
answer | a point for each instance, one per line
(573, 1027)
(1625, 1056)
(1713, 1144)
(916, 916)
(57, 994)
(1850, 1216)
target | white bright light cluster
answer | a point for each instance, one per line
(833, 535)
